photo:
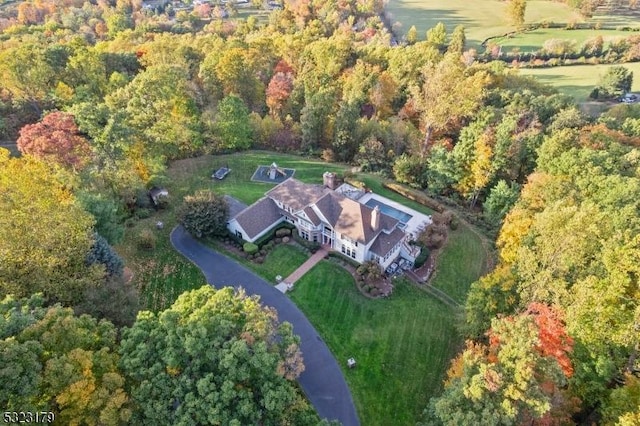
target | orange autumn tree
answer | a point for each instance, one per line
(518, 377)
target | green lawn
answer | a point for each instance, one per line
(282, 260)
(532, 41)
(402, 344)
(483, 19)
(161, 275)
(186, 175)
(579, 80)
(461, 263)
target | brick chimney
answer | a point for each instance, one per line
(375, 218)
(329, 180)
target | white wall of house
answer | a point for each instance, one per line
(234, 227)
(350, 248)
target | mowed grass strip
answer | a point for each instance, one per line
(402, 345)
(460, 263)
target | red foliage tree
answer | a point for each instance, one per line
(56, 138)
(279, 88)
(553, 339)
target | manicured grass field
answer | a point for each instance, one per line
(578, 81)
(402, 345)
(282, 260)
(481, 19)
(461, 263)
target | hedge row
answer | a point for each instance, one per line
(416, 196)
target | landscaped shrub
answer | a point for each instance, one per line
(250, 248)
(422, 257)
(146, 240)
(283, 232)
(286, 239)
(143, 213)
(259, 260)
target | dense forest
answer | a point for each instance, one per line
(100, 97)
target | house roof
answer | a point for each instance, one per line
(235, 206)
(351, 218)
(313, 217)
(296, 194)
(259, 216)
(386, 241)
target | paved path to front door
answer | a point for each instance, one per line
(322, 380)
(305, 267)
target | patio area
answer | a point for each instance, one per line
(414, 224)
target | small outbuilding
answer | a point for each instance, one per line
(158, 196)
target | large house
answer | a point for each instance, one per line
(331, 217)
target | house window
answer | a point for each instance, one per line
(304, 235)
(239, 234)
(348, 251)
(315, 238)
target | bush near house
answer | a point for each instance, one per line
(283, 232)
(250, 248)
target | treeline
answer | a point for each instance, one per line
(213, 357)
(554, 328)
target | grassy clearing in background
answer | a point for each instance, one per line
(579, 80)
(402, 344)
(481, 19)
(532, 41)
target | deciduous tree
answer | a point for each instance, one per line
(231, 127)
(56, 138)
(204, 214)
(46, 235)
(214, 357)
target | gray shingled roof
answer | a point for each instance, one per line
(385, 242)
(296, 194)
(313, 217)
(235, 206)
(351, 218)
(259, 216)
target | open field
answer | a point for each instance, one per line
(578, 80)
(532, 41)
(486, 18)
(402, 344)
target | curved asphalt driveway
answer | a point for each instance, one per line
(322, 380)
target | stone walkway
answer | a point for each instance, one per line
(288, 282)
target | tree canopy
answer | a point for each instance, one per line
(214, 357)
(46, 235)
